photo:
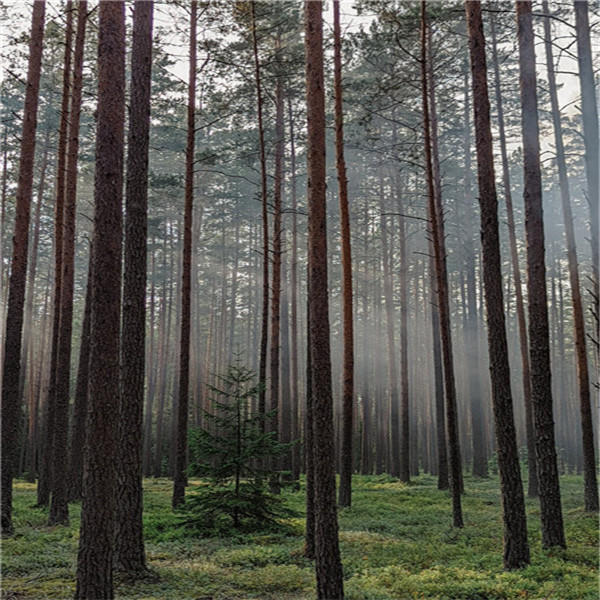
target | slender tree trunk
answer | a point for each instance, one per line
(264, 336)
(532, 486)
(589, 114)
(583, 381)
(129, 550)
(59, 507)
(81, 394)
(539, 349)
(32, 262)
(437, 230)
(327, 552)
(45, 479)
(180, 478)
(11, 402)
(276, 285)
(295, 399)
(96, 537)
(471, 317)
(309, 457)
(388, 292)
(406, 456)
(516, 547)
(345, 491)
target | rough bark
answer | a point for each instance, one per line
(11, 402)
(516, 547)
(129, 548)
(180, 478)
(59, 507)
(96, 537)
(327, 552)
(345, 491)
(532, 482)
(435, 214)
(539, 341)
(583, 380)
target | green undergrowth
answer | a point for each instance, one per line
(396, 542)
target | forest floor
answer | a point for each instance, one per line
(396, 543)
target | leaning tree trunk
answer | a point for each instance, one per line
(59, 506)
(539, 341)
(11, 409)
(327, 552)
(345, 491)
(180, 479)
(583, 381)
(516, 547)
(532, 485)
(96, 537)
(435, 216)
(129, 549)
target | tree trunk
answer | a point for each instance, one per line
(295, 399)
(327, 552)
(583, 381)
(180, 478)
(264, 336)
(345, 491)
(471, 336)
(81, 394)
(129, 549)
(59, 507)
(435, 213)
(32, 262)
(45, 479)
(589, 114)
(11, 402)
(276, 281)
(96, 538)
(532, 485)
(539, 341)
(516, 547)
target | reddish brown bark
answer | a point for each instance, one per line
(539, 340)
(532, 487)
(327, 553)
(435, 214)
(516, 547)
(18, 274)
(96, 537)
(129, 540)
(59, 508)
